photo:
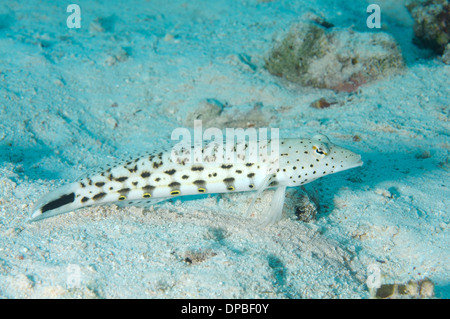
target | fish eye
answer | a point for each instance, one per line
(320, 151)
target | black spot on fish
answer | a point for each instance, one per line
(228, 180)
(185, 177)
(145, 174)
(148, 188)
(99, 196)
(84, 199)
(124, 191)
(170, 172)
(197, 168)
(199, 183)
(121, 179)
(134, 169)
(227, 166)
(63, 200)
(250, 175)
(99, 184)
(156, 165)
(174, 184)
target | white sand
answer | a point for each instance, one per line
(74, 99)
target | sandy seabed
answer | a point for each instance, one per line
(73, 99)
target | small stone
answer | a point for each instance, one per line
(168, 37)
(22, 283)
(110, 61)
(383, 192)
(112, 123)
(426, 288)
(385, 291)
(422, 155)
(321, 104)
(58, 82)
(306, 209)
(421, 289)
(122, 55)
(446, 55)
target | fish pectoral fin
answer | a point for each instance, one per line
(257, 194)
(275, 211)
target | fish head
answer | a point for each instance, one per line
(305, 160)
(331, 158)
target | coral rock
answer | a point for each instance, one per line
(446, 55)
(431, 23)
(343, 60)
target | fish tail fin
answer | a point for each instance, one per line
(59, 201)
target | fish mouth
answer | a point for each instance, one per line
(359, 162)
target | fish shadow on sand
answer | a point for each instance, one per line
(378, 168)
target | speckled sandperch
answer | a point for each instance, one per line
(156, 176)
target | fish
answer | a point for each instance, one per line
(239, 166)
